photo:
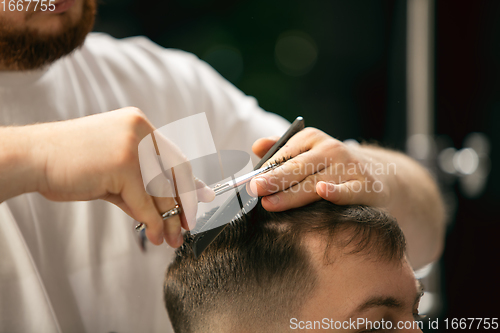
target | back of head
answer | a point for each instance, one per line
(258, 272)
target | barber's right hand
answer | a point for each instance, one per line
(96, 157)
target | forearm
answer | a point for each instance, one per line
(415, 202)
(18, 173)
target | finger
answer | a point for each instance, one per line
(143, 209)
(172, 225)
(189, 206)
(291, 172)
(189, 203)
(298, 195)
(203, 192)
(348, 193)
(163, 192)
(261, 146)
(329, 191)
(173, 160)
(186, 194)
(299, 143)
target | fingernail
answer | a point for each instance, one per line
(324, 184)
(273, 199)
(332, 187)
(262, 182)
(252, 189)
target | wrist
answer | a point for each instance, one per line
(20, 172)
(385, 167)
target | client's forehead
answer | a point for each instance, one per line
(346, 280)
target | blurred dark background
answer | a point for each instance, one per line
(342, 65)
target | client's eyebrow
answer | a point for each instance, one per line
(387, 301)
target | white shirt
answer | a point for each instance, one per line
(76, 266)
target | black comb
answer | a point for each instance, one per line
(236, 204)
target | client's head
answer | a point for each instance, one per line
(316, 265)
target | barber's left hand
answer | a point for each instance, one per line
(319, 166)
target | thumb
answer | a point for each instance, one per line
(340, 194)
(261, 146)
(203, 192)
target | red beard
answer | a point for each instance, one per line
(28, 49)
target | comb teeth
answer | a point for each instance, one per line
(201, 221)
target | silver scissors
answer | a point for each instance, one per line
(232, 184)
(236, 182)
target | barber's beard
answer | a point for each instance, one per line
(28, 49)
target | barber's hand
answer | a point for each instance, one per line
(96, 157)
(319, 166)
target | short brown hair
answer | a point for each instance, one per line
(258, 272)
